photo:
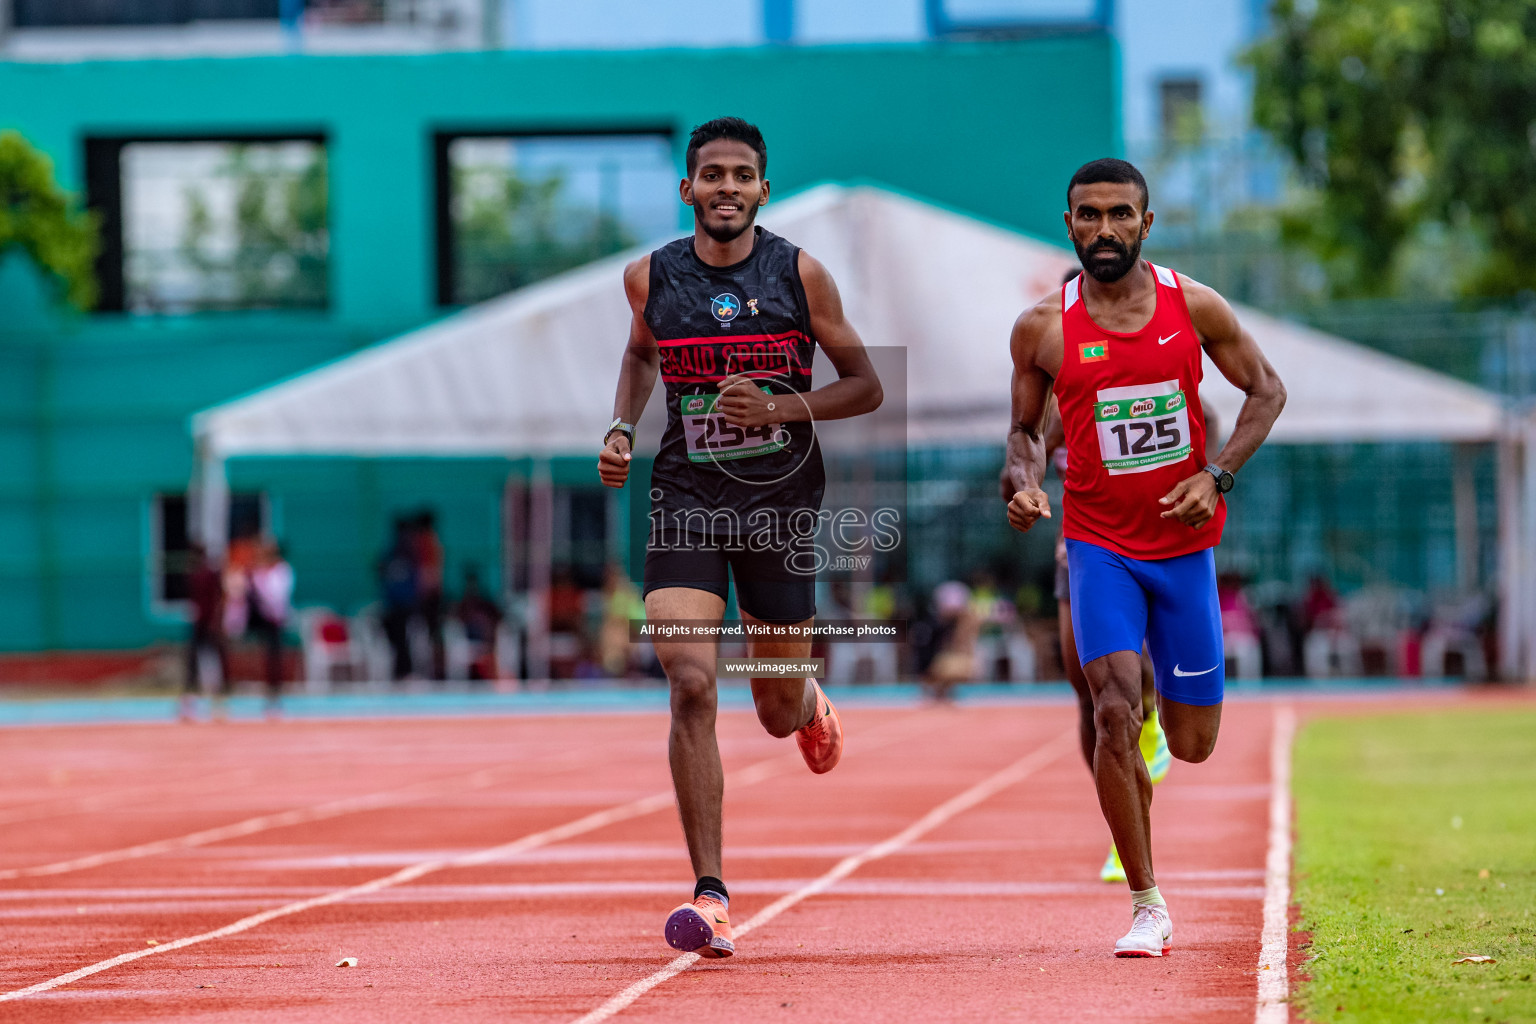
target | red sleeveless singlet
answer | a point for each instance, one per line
(1130, 406)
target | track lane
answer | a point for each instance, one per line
(607, 760)
(955, 927)
(1025, 931)
(958, 804)
(268, 771)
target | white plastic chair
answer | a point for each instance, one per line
(328, 647)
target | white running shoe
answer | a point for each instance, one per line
(1151, 933)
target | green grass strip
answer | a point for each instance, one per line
(1416, 845)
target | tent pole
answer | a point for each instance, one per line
(1464, 503)
(514, 531)
(1517, 534)
(1509, 552)
(208, 519)
(1524, 571)
(541, 542)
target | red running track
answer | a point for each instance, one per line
(307, 842)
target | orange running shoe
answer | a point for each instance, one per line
(702, 927)
(821, 741)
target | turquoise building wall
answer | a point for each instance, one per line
(94, 408)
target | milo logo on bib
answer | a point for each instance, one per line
(712, 438)
(1142, 427)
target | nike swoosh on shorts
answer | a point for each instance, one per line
(1180, 672)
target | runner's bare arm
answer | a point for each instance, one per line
(857, 388)
(1055, 437)
(1237, 356)
(637, 374)
(1036, 348)
(1239, 359)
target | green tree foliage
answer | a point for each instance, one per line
(510, 232)
(280, 251)
(1407, 114)
(37, 216)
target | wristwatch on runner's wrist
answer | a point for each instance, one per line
(1224, 480)
(627, 429)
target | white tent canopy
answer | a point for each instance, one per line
(532, 372)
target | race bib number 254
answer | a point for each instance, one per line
(1142, 427)
(712, 439)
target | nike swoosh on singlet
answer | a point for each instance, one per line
(1164, 341)
(1180, 672)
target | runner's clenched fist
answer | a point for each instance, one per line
(1027, 507)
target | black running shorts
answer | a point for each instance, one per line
(768, 586)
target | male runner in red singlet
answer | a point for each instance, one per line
(1120, 348)
(731, 316)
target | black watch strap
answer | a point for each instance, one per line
(1224, 479)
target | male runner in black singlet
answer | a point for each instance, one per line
(731, 317)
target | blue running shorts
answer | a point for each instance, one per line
(1171, 602)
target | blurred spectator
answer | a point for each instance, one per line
(1320, 606)
(206, 585)
(621, 603)
(1329, 646)
(271, 605)
(568, 641)
(567, 604)
(1239, 628)
(849, 662)
(1236, 615)
(238, 561)
(1004, 652)
(481, 616)
(399, 583)
(429, 587)
(880, 601)
(956, 628)
(1279, 618)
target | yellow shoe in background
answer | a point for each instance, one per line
(1154, 748)
(1113, 870)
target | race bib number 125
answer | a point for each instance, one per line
(1142, 427)
(711, 439)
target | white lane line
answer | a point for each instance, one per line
(957, 804)
(589, 823)
(266, 822)
(50, 906)
(1274, 983)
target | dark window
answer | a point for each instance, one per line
(84, 13)
(170, 560)
(514, 209)
(1182, 118)
(209, 224)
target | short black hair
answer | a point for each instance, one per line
(733, 128)
(1117, 172)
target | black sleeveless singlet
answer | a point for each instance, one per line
(749, 318)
